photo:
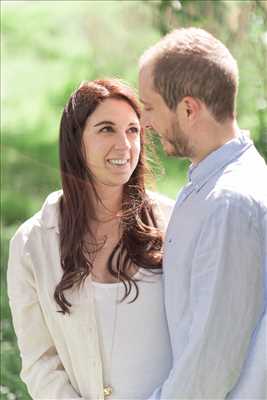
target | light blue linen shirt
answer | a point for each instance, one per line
(215, 263)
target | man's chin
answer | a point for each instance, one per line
(169, 149)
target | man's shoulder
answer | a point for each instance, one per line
(236, 202)
(243, 181)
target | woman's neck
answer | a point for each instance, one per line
(109, 203)
(106, 230)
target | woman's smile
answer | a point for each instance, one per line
(119, 163)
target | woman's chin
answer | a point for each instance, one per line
(118, 182)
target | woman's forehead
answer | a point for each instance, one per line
(116, 110)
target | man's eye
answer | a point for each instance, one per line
(133, 129)
(106, 129)
(148, 109)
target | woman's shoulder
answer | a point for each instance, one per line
(163, 207)
(161, 199)
(45, 218)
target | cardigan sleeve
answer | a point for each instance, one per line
(42, 370)
(163, 208)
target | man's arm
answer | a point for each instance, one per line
(226, 301)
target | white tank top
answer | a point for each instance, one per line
(141, 356)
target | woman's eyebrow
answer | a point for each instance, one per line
(113, 123)
(105, 122)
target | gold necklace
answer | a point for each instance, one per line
(108, 391)
(108, 388)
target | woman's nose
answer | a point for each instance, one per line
(122, 141)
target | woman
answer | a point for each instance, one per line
(84, 277)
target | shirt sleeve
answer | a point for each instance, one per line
(226, 302)
(42, 370)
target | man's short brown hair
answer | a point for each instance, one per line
(192, 62)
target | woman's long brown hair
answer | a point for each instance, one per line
(141, 241)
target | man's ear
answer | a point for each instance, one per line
(189, 108)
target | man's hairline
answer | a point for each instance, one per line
(149, 62)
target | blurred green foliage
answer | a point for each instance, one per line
(48, 48)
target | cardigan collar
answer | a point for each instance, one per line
(50, 211)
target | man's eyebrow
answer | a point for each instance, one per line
(143, 101)
(105, 122)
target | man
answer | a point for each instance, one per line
(216, 242)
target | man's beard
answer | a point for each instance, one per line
(181, 146)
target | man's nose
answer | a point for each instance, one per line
(145, 121)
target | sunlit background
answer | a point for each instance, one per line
(49, 47)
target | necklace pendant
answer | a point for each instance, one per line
(107, 391)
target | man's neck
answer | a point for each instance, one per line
(215, 136)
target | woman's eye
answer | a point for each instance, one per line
(107, 129)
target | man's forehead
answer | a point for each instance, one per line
(145, 84)
(146, 73)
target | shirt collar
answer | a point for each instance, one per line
(199, 174)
